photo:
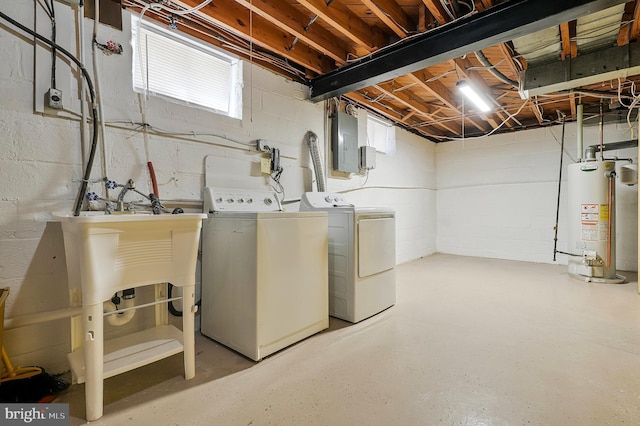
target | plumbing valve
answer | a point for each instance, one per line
(92, 196)
(155, 203)
(112, 184)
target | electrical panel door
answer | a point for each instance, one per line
(344, 142)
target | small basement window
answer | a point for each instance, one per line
(170, 65)
(381, 135)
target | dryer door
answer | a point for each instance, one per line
(376, 245)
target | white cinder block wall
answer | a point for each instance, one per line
(497, 196)
(406, 182)
(40, 162)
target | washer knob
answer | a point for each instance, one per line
(229, 200)
(268, 201)
(249, 200)
(219, 200)
(328, 199)
(240, 200)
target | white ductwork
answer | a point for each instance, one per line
(591, 68)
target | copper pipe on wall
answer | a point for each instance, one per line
(610, 200)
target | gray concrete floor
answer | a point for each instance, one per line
(471, 341)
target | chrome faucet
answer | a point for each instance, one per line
(156, 205)
(130, 185)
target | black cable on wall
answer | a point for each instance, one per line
(94, 113)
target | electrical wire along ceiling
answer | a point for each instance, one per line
(531, 62)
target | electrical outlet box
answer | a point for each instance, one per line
(265, 166)
(367, 157)
(54, 98)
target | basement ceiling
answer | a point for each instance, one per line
(535, 60)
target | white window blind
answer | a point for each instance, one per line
(381, 135)
(171, 65)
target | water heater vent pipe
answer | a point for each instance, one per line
(580, 113)
(590, 151)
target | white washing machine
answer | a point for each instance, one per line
(362, 256)
(264, 272)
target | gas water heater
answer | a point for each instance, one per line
(592, 221)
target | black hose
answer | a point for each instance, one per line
(172, 309)
(94, 113)
(555, 237)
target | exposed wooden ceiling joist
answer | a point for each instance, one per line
(441, 92)
(498, 24)
(437, 11)
(568, 37)
(236, 18)
(533, 105)
(464, 67)
(635, 26)
(412, 104)
(390, 12)
(624, 34)
(345, 22)
(288, 19)
(388, 112)
(507, 54)
(219, 38)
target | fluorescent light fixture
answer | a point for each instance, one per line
(471, 94)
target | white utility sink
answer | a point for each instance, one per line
(109, 253)
(112, 252)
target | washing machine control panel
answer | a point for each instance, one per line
(240, 200)
(323, 200)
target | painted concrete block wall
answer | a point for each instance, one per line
(41, 165)
(497, 196)
(406, 182)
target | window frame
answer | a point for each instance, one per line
(235, 83)
(389, 138)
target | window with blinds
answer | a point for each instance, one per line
(171, 65)
(381, 135)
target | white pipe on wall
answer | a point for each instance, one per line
(41, 317)
(98, 89)
(580, 148)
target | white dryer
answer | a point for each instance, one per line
(264, 272)
(362, 256)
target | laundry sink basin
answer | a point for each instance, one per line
(107, 253)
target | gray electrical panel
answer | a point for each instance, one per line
(344, 142)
